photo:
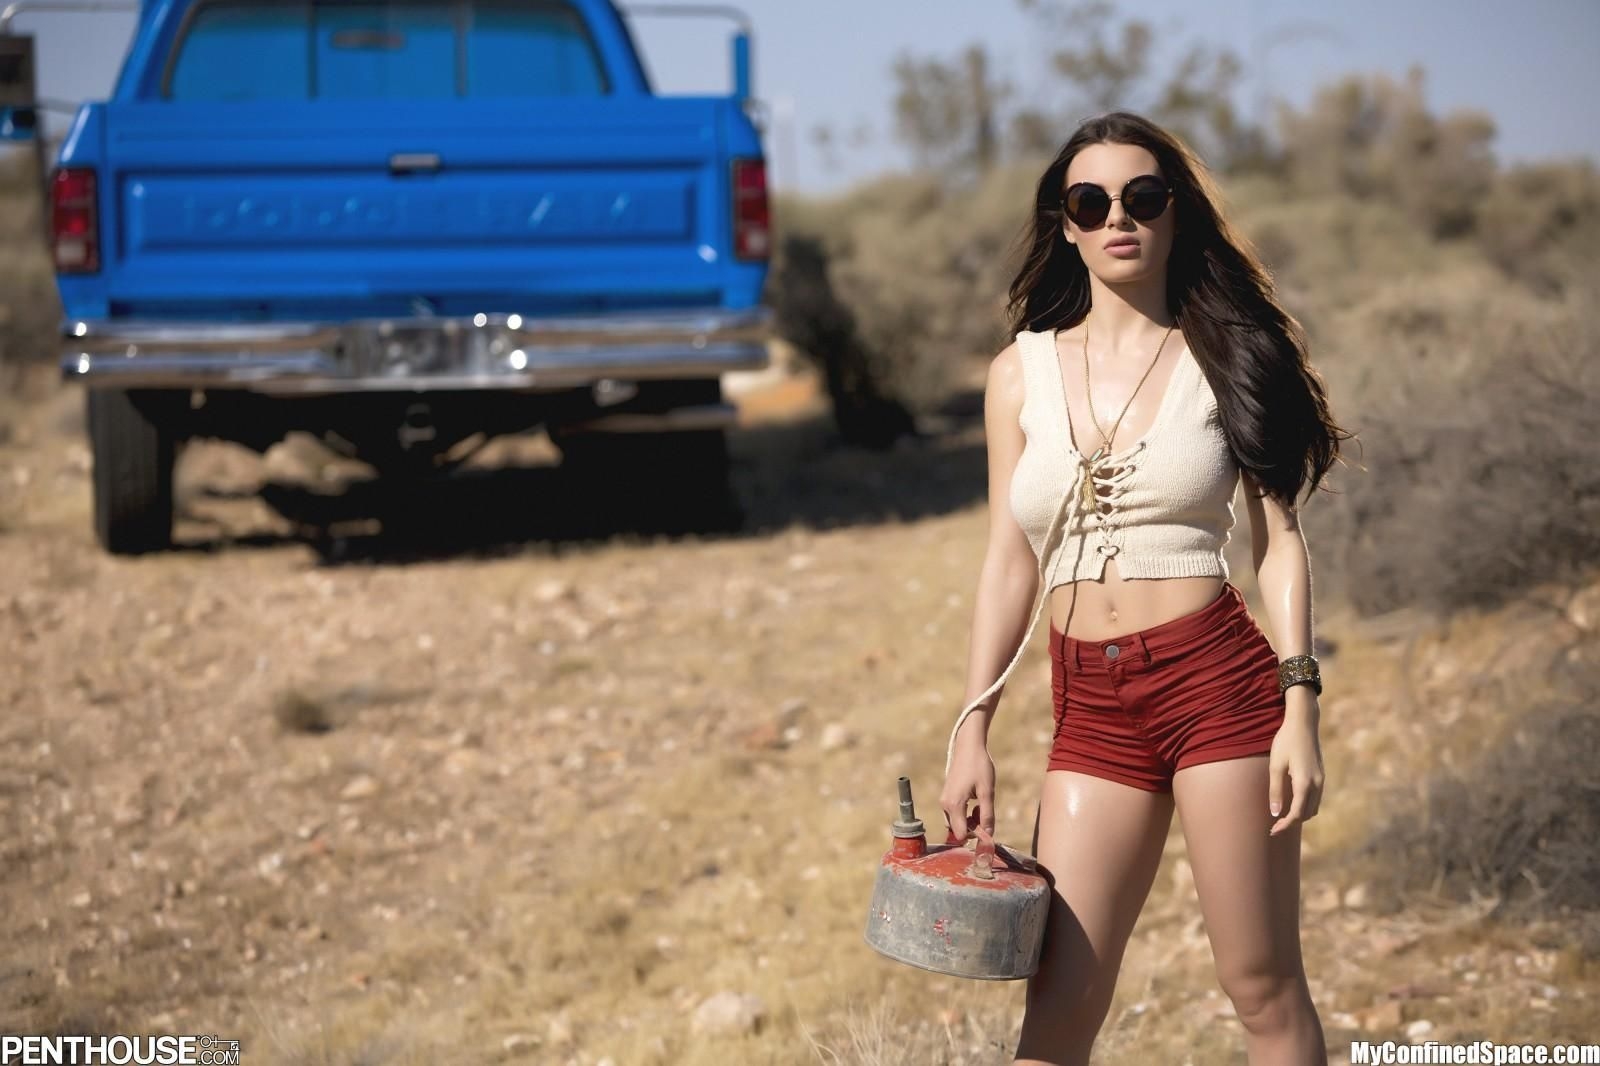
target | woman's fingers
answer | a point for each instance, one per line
(985, 791)
(968, 821)
(1313, 798)
(1304, 782)
(957, 818)
(1292, 815)
(1307, 788)
(1277, 786)
(984, 815)
(955, 814)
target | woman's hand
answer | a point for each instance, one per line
(1295, 764)
(971, 777)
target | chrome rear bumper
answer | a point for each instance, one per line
(503, 351)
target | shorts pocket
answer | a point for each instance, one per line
(1260, 668)
(1235, 678)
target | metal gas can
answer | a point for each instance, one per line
(978, 913)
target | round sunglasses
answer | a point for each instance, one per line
(1144, 198)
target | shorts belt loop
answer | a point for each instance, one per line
(1144, 649)
(1076, 650)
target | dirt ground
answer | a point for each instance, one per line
(457, 776)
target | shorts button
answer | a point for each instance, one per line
(1112, 651)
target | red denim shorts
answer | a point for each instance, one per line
(1138, 708)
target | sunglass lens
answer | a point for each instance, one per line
(1087, 205)
(1145, 200)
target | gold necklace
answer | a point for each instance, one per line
(1090, 464)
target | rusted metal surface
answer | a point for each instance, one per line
(976, 913)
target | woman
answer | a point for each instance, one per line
(1153, 369)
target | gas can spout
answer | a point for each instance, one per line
(908, 824)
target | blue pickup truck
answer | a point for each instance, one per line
(407, 226)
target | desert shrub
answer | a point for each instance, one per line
(1474, 403)
(1540, 223)
(29, 307)
(920, 268)
(1519, 826)
(1371, 138)
(810, 315)
(1331, 253)
(1468, 382)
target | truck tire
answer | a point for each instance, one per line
(134, 456)
(678, 480)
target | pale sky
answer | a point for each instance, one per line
(1531, 65)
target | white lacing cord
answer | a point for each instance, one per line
(1071, 496)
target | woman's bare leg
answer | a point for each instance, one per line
(1101, 841)
(1249, 888)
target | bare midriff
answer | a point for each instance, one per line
(1114, 605)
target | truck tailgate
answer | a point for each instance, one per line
(335, 209)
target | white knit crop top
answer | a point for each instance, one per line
(1164, 504)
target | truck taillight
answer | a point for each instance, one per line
(752, 238)
(74, 221)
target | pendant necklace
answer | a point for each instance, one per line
(1091, 467)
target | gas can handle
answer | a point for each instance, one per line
(983, 852)
(983, 857)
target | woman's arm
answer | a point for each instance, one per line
(1283, 573)
(1009, 578)
(1007, 585)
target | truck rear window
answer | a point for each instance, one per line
(382, 49)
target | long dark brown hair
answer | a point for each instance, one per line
(1272, 403)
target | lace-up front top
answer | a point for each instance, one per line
(1162, 506)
